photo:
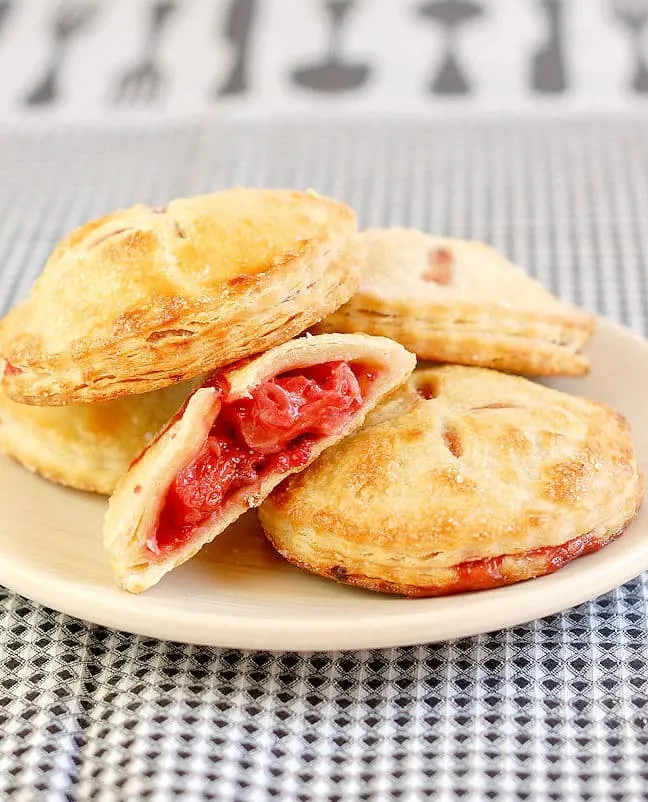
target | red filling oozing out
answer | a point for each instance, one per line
(488, 573)
(272, 431)
(10, 370)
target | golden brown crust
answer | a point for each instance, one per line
(455, 301)
(463, 466)
(143, 298)
(89, 446)
(135, 506)
(473, 575)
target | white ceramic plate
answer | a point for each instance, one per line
(238, 593)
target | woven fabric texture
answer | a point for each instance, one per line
(553, 710)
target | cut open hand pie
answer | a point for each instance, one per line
(463, 480)
(86, 446)
(248, 427)
(147, 297)
(450, 300)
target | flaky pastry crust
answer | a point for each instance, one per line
(147, 297)
(135, 506)
(86, 446)
(450, 300)
(464, 479)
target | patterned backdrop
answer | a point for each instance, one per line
(117, 59)
(552, 710)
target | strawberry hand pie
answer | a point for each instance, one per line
(451, 300)
(242, 432)
(152, 296)
(86, 446)
(463, 480)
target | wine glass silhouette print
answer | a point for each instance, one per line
(333, 73)
(450, 15)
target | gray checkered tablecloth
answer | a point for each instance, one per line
(552, 710)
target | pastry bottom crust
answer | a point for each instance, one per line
(553, 355)
(100, 482)
(473, 575)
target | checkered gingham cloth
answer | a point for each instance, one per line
(552, 710)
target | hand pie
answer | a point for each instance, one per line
(449, 300)
(466, 479)
(147, 297)
(237, 437)
(88, 446)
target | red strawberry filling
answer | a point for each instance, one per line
(11, 370)
(274, 430)
(492, 573)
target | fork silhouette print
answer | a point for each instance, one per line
(144, 81)
(633, 16)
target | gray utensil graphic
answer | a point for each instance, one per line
(633, 16)
(143, 82)
(237, 31)
(450, 15)
(68, 20)
(333, 74)
(5, 8)
(548, 66)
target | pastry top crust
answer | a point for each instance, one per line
(463, 464)
(135, 506)
(410, 270)
(87, 446)
(145, 297)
